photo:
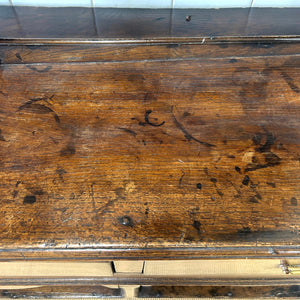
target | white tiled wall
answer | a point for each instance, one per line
(4, 2)
(134, 3)
(211, 3)
(155, 3)
(51, 3)
(276, 3)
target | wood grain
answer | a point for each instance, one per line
(231, 292)
(150, 153)
(134, 280)
(49, 53)
(71, 292)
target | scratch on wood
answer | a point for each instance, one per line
(187, 135)
(289, 80)
(39, 71)
(147, 113)
(2, 137)
(180, 179)
(93, 198)
(128, 131)
(35, 107)
(18, 56)
(2, 93)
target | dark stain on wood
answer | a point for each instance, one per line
(246, 180)
(1, 136)
(197, 225)
(147, 114)
(61, 172)
(213, 180)
(120, 192)
(30, 199)
(290, 81)
(187, 135)
(266, 147)
(223, 45)
(181, 178)
(126, 221)
(270, 158)
(33, 107)
(199, 186)
(173, 45)
(133, 133)
(38, 192)
(44, 70)
(253, 199)
(256, 139)
(247, 234)
(18, 182)
(69, 150)
(258, 196)
(244, 231)
(294, 201)
(238, 169)
(149, 96)
(18, 56)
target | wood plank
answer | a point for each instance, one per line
(133, 280)
(232, 292)
(34, 53)
(70, 292)
(150, 153)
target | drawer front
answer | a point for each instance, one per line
(235, 268)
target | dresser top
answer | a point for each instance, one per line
(149, 150)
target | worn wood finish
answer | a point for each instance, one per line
(167, 253)
(62, 292)
(230, 292)
(139, 279)
(35, 53)
(150, 152)
(109, 23)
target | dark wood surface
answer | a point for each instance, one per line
(228, 292)
(127, 279)
(49, 53)
(101, 23)
(231, 292)
(164, 150)
(57, 292)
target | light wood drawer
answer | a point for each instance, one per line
(55, 269)
(237, 268)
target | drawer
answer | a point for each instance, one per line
(235, 268)
(54, 269)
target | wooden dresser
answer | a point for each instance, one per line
(149, 153)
